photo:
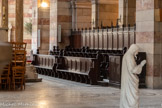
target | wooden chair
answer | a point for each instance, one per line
(18, 46)
(18, 68)
(5, 77)
(18, 77)
(19, 58)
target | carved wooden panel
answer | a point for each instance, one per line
(121, 41)
(110, 42)
(83, 38)
(132, 38)
(126, 39)
(115, 40)
(100, 40)
(87, 39)
(107, 39)
(96, 40)
(105, 42)
(92, 40)
(115, 70)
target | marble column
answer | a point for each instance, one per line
(95, 13)
(148, 37)
(4, 12)
(19, 21)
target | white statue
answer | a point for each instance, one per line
(129, 80)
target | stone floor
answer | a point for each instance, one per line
(58, 93)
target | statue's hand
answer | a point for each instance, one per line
(143, 62)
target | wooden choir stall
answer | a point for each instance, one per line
(93, 55)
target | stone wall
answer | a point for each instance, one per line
(64, 18)
(149, 39)
(108, 13)
(83, 17)
(4, 34)
(53, 24)
(43, 26)
(27, 17)
(0, 13)
(127, 12)
(12, 17)
(131, 16)
(34, 25)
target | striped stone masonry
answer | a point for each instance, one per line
(34, 26)
(60, 16)
(27, 17)
(149, 39)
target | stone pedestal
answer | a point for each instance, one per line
(3, 34)
(31, 72)
(5, 55)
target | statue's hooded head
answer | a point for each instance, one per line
(134, 49)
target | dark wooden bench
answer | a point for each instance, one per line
(45, 64)
(78, 69)
(115, 67)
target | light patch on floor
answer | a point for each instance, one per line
(59, 93)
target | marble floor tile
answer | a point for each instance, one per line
(59, 93)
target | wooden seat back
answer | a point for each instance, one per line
(45, 61)
(19, 58)
(18, 45)
(78, 64)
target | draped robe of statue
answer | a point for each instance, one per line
(130, 81)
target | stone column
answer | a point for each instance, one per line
(19, 21)
(73, 6)
(64, 19)
(148, 37)
(35, 26)
(4, 12)
(43, 26)
(95, 13)
(53, 24)
(127, 9)
(122, 11)
(0, 12)
(12, 17)
(60, 16)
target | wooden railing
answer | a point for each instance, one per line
(106, 39)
